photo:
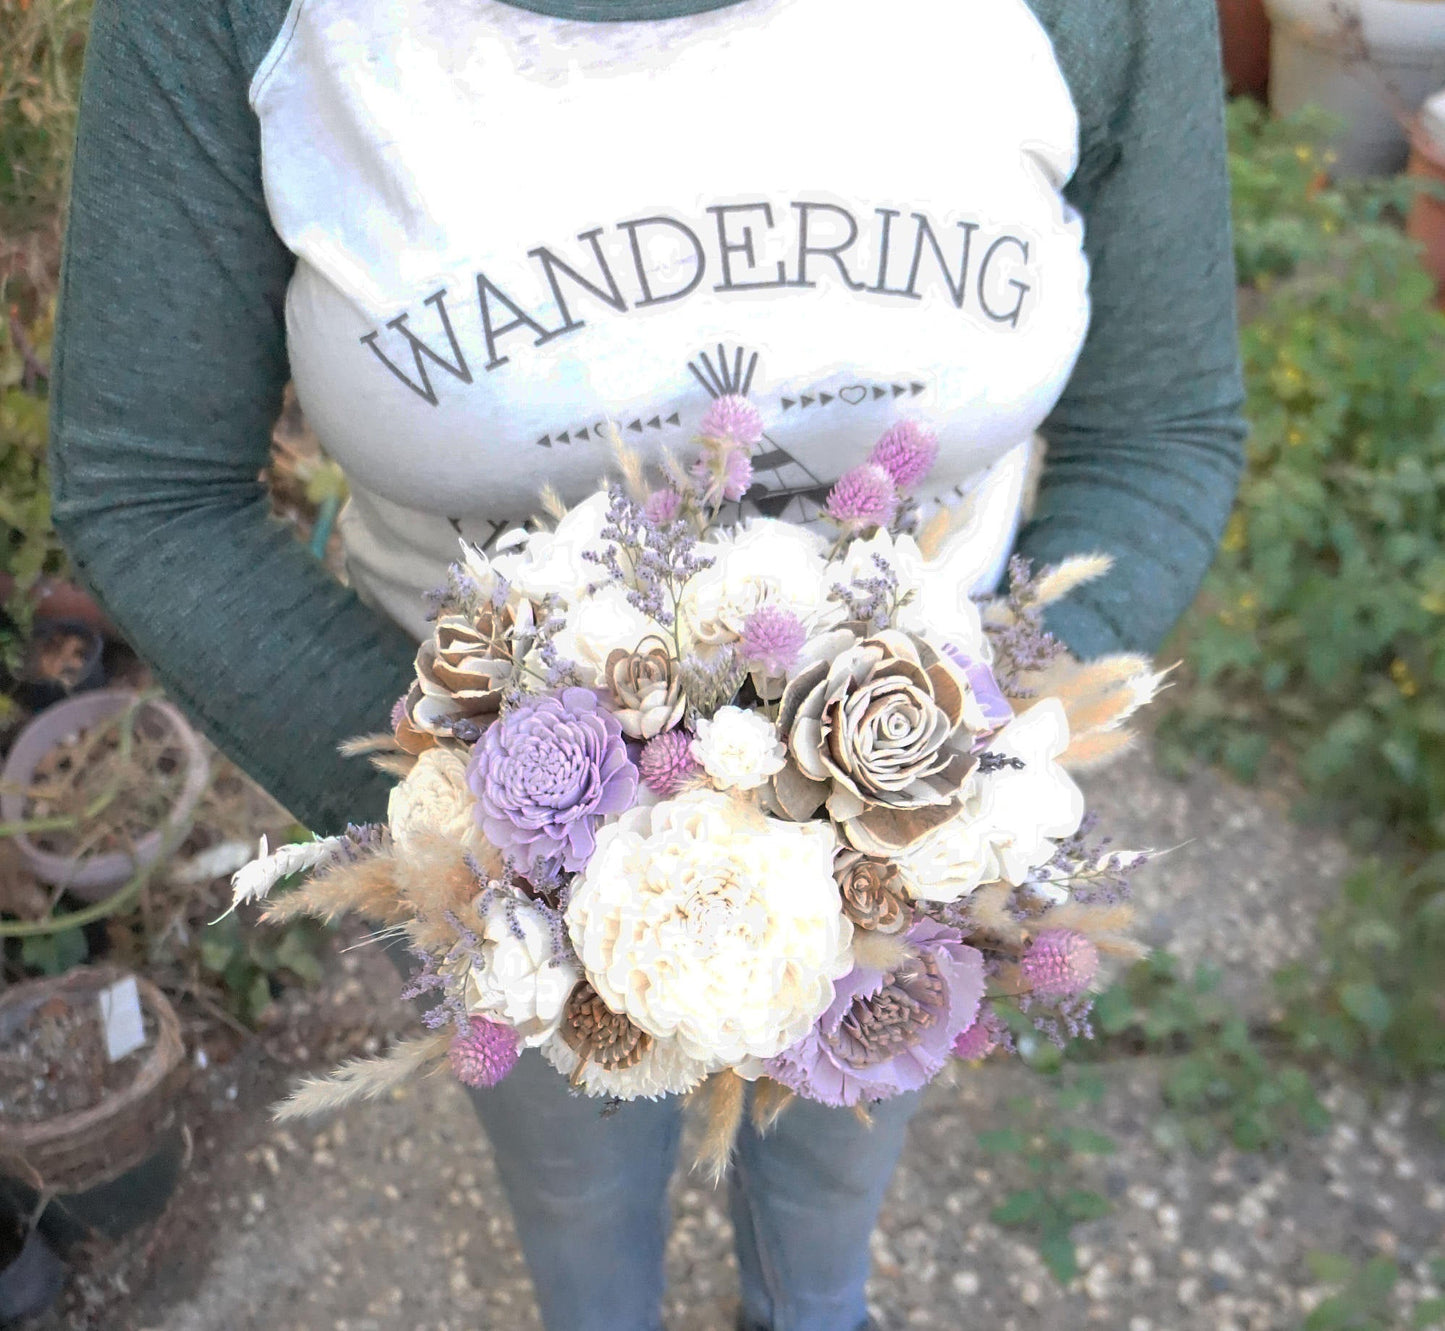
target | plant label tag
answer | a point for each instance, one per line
(121, 1016)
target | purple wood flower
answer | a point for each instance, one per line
(886, 1033)
(546, 774)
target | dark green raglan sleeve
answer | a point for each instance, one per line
(169, 366)
(1146, 444)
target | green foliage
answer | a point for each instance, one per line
(1363, 1300)
(251, 962)
(1377, 997)
(1222, 1081)
(1321, 629)
(1046, 1143)
(41, 45)
(30, 548)
(54, 954)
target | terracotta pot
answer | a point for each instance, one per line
(94, 877)
(1244, 41)
(1427, 213)
(59, 598)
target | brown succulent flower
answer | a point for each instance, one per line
(876, 732)
(461, 671)
(872, 891)
(597, 1034)
(647, 690)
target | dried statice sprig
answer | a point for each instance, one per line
(874, 600)
(1087, 867)
(458, 595)
(1062, 1020)
(1022, 646)
(661, 557)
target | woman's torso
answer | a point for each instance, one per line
(511, 228)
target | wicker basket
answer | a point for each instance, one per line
(72, 1152)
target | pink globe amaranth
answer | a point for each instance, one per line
(1059, 963)
(907, 453)
(663, 506)
(863, 497)
(485, 1054)
(667, 764)
(772, 638)
(733, 417)
(978, 1040)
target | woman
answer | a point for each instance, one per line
(473, 230)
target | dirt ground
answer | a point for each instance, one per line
(389, 1216)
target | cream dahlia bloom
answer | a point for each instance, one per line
(523, 983)
(765, 562)
(663, 1070)
(433, 799)
(738, 749)
(1026, 810)
(706, 923)
(953, 859)
(936, 593)
(550, 563)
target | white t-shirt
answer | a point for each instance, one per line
(512, 228)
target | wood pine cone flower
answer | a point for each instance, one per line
(877, 734)
(646, 688)
(597, 1034)
(461, 671)
(872, 891)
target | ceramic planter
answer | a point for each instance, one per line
(93, 877)
(1369, 62)
(1427, 213)
(1244, 42)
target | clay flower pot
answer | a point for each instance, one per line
(1244, 42)
(1427, 213)
(93, 877)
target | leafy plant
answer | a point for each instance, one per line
(41, 46)
(1377, 994)
(1223, 1081)
(30, 548)
(250, 962)
(1364, 1301)
(1047, 1144)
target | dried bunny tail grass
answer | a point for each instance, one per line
(433, 877)
(1096, 749)
(988, 912)
(1057, 582)
(770, 1098)
(936, 530)
(362, 1078)
(551, 502)
(1033, 475)
(878, 952)
(398, 765)
(676, 474)
(366, 886)
(720, 1100)
(360, 745)
(629, 463)
(1107, 927)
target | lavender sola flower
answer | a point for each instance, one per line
(545, 776)
(885, 1034)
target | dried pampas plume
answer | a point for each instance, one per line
(770, 1098)
(381, 751)
(720, 1100)
(365, 885)
(363, 1078)
(629, 463)
(878, 952)
(552, 504)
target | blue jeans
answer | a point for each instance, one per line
(588, 1194)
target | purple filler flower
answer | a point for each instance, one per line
(733, 417)
(888, 1033)
(907, 453)
(546, 774)
(863, 497)
(772, 639)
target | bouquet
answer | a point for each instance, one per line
(689, 800)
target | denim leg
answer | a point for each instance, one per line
(588, 1195)
(804, 1199)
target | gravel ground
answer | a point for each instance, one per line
(389, 1216)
